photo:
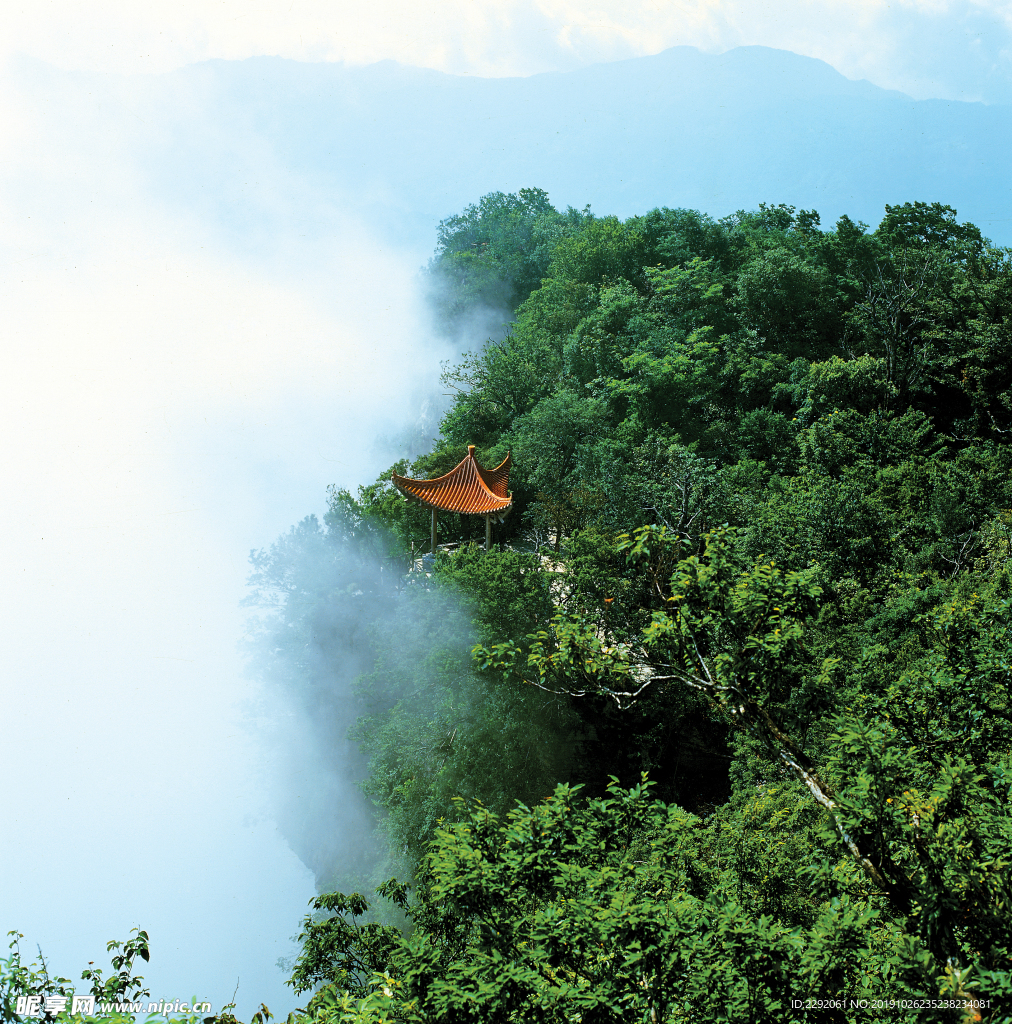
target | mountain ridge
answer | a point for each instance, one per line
(679, 128)
(409, 146)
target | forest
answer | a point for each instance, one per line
(720, 729)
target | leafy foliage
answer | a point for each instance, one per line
(116, 997)
(760, 549)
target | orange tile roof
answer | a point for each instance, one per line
(466, 488)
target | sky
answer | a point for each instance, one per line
(178, 389)
(950, 49)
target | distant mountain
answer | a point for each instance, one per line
(681, 128)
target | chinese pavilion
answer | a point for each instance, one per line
(467, 489)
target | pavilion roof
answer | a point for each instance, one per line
(466, 488)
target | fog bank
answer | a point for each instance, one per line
(178, 388)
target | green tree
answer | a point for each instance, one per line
(495, 253)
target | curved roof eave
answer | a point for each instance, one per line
(466, 489)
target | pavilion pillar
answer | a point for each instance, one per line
(467, 490)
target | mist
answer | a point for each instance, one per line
(213, 311)
(953, 50)
(185, 373)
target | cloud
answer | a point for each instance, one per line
(957, 49)
(183, 376)
(175, 392)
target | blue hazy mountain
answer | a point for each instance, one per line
(679, 129)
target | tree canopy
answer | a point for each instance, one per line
(722, 729)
